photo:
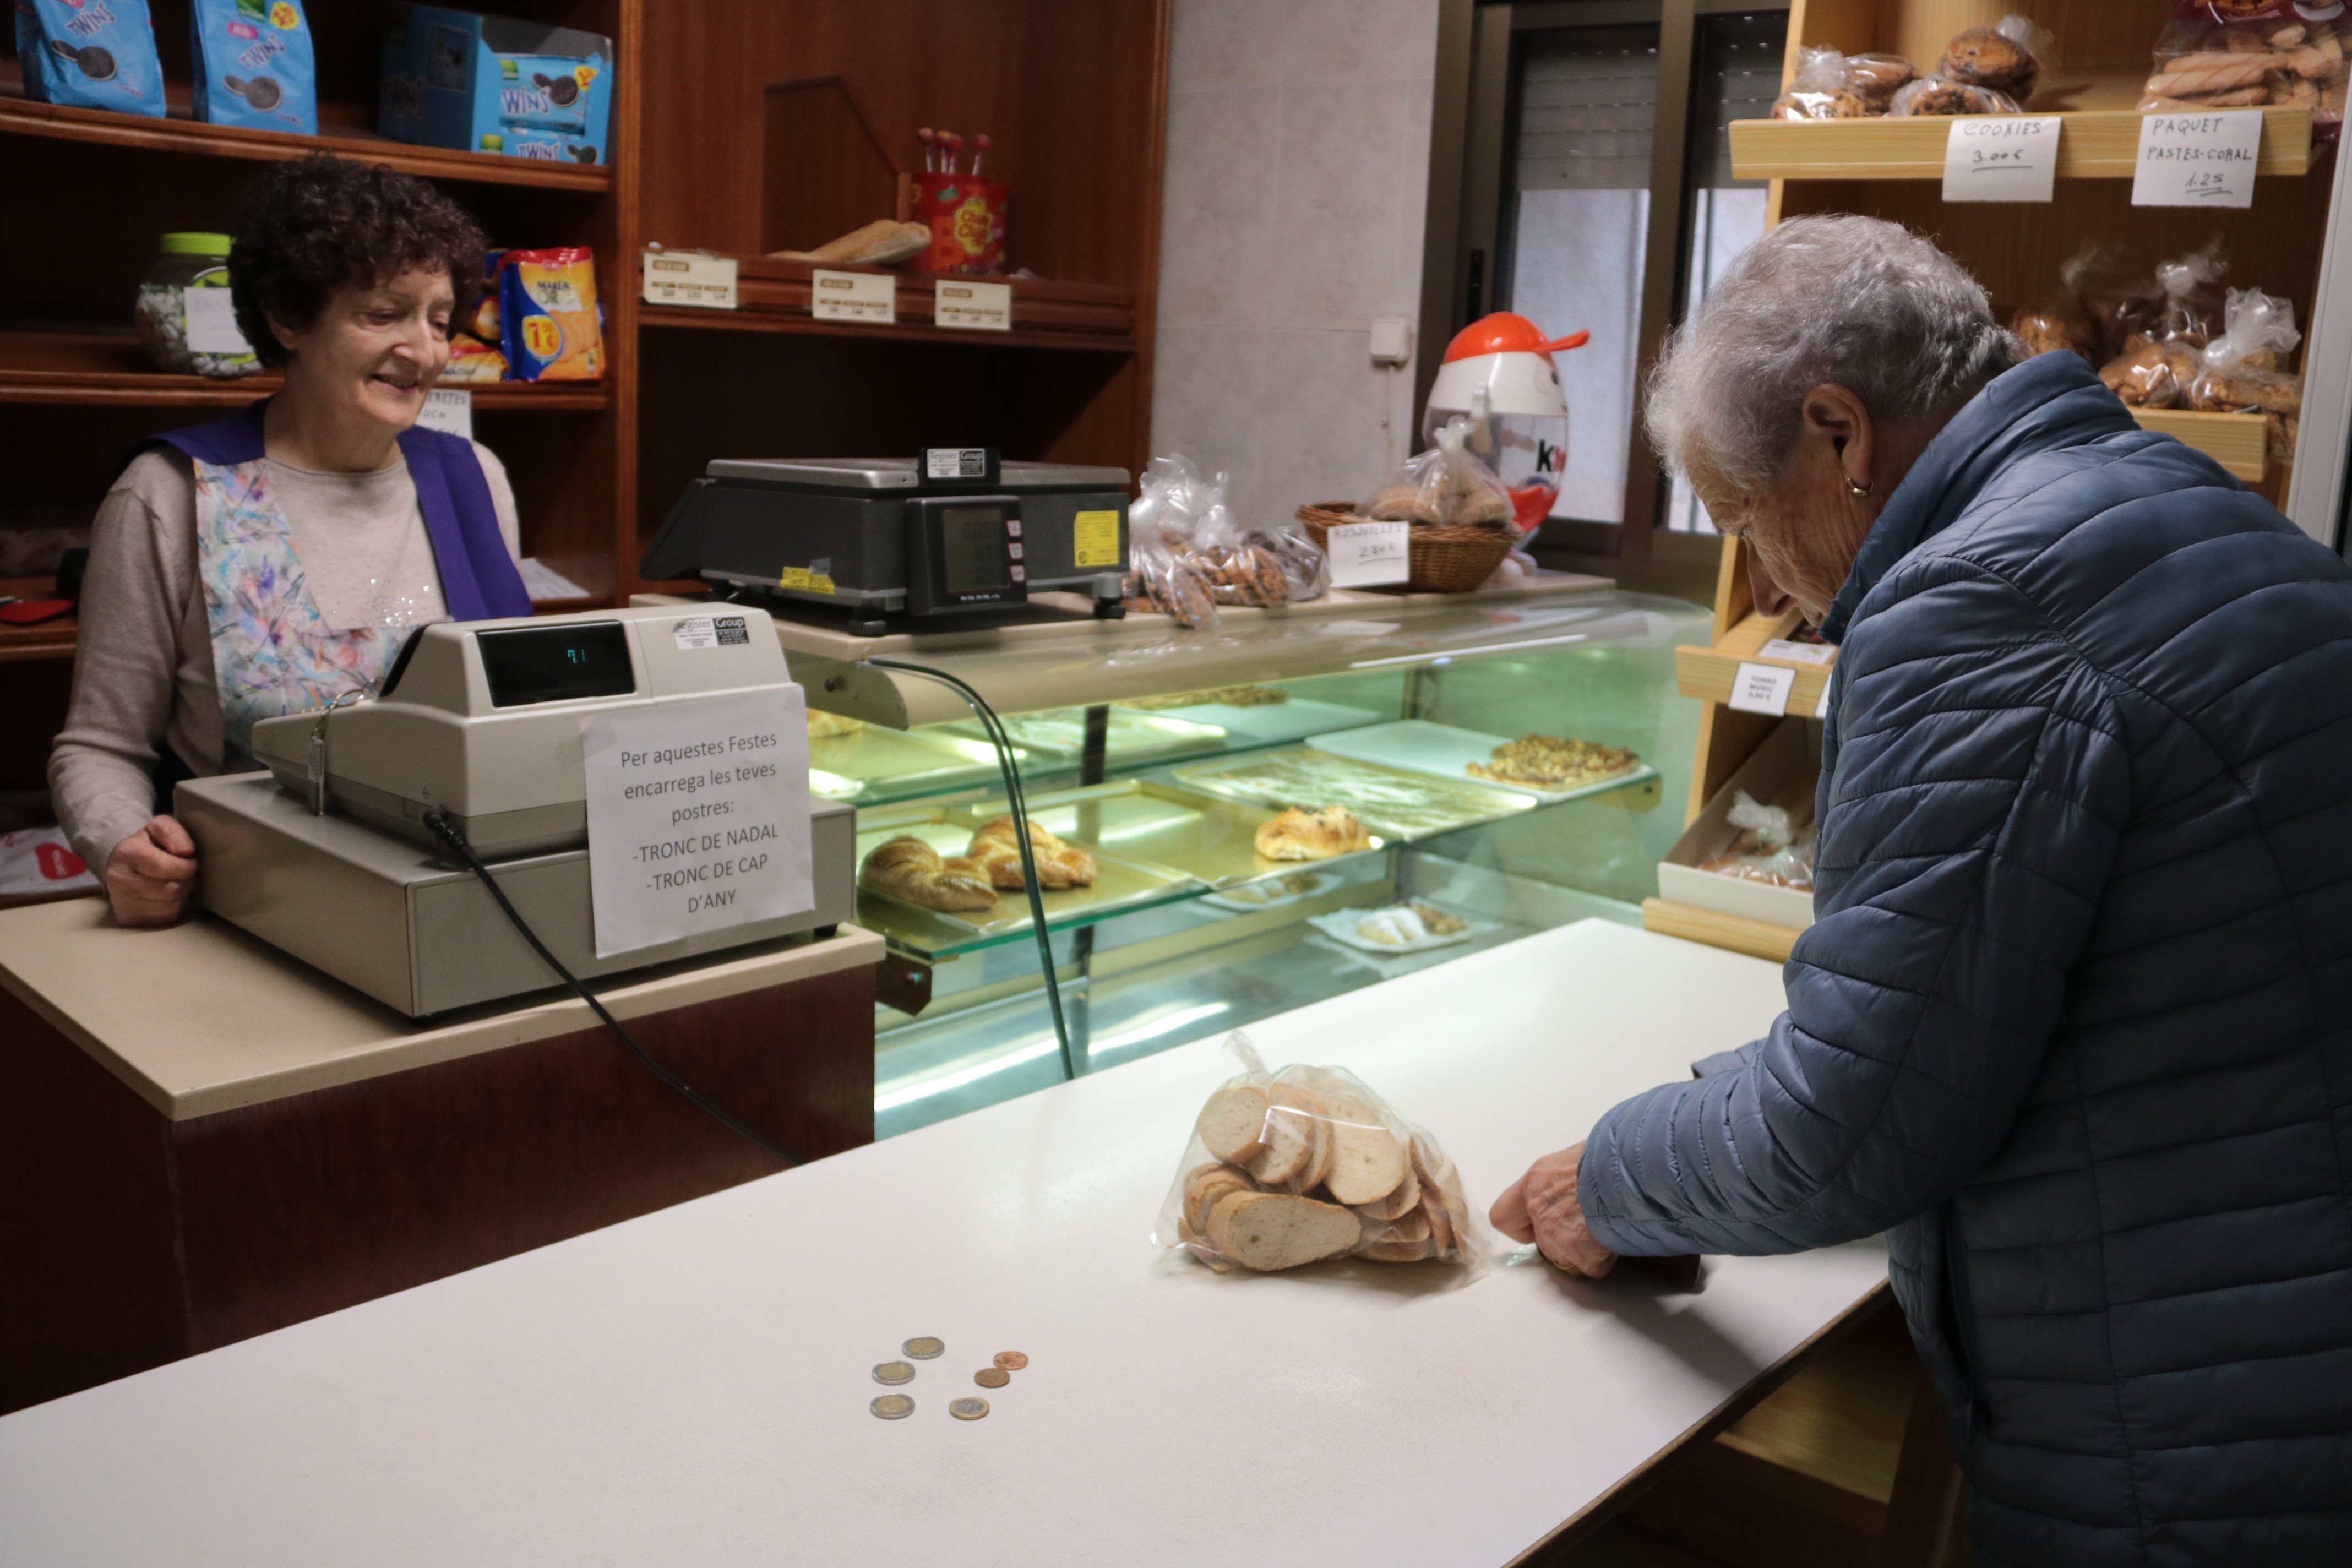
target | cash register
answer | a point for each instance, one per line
(328, 854)
(952, 532)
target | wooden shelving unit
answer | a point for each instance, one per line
(109, 368)
(2094, 145)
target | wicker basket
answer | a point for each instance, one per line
(1445, 557)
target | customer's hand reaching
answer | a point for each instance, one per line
(1541, 1207)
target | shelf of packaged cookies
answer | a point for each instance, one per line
(109, 368)
(21, 116)
(775, 295)
(2095, 143)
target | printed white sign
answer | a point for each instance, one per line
(852, 296)
(711, 631)
(682, 277)
(2198, 160)
(2004, 158)
(697, 816)
(1368, 555)
(1798, 652)
(211, 324)
(987, 306)
(1758, 688)
(450, 410)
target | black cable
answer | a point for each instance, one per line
(1018, 802)
(447, 831)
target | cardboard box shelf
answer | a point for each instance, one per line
(1782, 772)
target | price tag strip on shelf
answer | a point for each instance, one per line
(1763, 688)
(1368, 555)
(2198, 160)
(2001, 158)
(852, 296)
(684, 277)
(979, 307)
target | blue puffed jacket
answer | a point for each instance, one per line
(2073, 1023)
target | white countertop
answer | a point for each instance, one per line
(691, 1386)
(200, 1018)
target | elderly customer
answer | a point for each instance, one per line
(2073, 1023)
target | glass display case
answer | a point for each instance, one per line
(1160, 752)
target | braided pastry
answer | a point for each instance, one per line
(911, 871)
(1060, 864)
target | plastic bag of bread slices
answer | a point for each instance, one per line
(2242, 54)
(1293, 1167)
(2154, 368)
(2244, 370)
(1447, 484)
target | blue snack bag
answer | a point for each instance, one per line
(254, 65)
(91, 54)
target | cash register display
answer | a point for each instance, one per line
(972, 549)
(558, 663)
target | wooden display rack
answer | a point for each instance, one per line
(1074, 96)
(1893, 169)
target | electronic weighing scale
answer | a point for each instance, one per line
(952, 533)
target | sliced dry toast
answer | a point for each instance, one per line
(1269, 1231)
(1233, 1124)
(1398, 1204)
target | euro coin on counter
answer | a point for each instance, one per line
(893, 1372)
(991, 1377)
(893, 1406)
(967, 1409)
(925, 1348)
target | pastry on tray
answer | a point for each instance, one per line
(1301, 834)
(911, 871)
(1219, 697)
(1060, 864)
(1548, 763)
(824, 726)
(1408, 925)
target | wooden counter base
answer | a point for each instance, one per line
(130, 1239)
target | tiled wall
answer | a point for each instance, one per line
(1297, 169)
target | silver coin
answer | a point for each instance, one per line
(925, 1348)
(893, 1407)
(964, 1409)
(893, 1372)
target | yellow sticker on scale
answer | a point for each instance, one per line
(1094, 539)
(808, 581)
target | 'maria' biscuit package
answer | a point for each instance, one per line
(254, 65)
(547, 306)
(91, 54)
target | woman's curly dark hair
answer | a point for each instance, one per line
(306, 228)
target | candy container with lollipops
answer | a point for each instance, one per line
(1499, 373)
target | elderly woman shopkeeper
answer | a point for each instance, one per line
(2073, 1023)
(272, 561)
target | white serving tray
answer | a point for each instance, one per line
(1442, 751)
(1339, 925)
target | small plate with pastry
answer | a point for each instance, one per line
(933, 882)
(1415, 926)
(1550, 768)
(1274, 892)
(1390, 803)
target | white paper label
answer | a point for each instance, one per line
(675, 278)
(1368, 555)
(211, 324)
(852, 296)
(1758, 688)
(1798, 652)
(2004, 158)
(2198, 160)
(711, 631)
(697, 816)
(450, 410)
(955, 462)
(1822, 709)
(987, 306)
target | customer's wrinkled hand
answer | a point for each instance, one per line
(1541, 1207)
(151, 874)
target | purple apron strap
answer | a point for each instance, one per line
(479, 580)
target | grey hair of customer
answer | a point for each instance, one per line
(1855, 302)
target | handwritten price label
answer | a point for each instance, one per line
(2198, 160)
(2004, 158)
(1369, 554)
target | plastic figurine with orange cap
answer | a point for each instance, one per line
(1499, 373)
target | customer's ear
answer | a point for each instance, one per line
(1836, 418)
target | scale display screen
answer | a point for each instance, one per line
(971, 549)
(557, 664)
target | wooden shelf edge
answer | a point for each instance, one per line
(2096, 143)
(1758, 939)
(903, 331)
(2239, 442)
(23, 117)
(1709, 674)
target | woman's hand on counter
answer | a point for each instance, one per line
(1541, 1207)
(151, 874)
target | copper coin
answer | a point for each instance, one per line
(893, 1407)
(893, 1372)
(966, 1409)
(1011, 1360)
(924, 1349)
(991, 1377)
